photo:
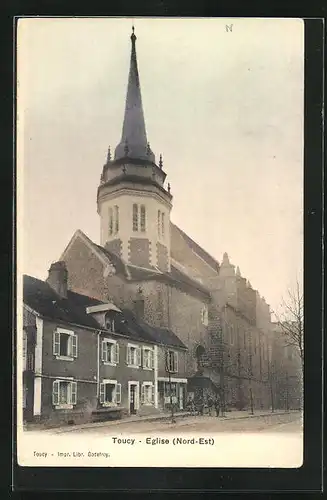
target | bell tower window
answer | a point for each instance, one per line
(163, 224)
(116, 219)
(143, 225)
(135, 217)
(139, 218)
(111, 221)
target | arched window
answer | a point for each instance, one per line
(135, 217)
(159, 222)
(116, 219)
(143, 221)
(111, 221)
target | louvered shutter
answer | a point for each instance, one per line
(102, 393)
(127, 355)
(118, 393)
(56, 343)
(152, 359)
(73, 394)
(116, 360)
(175, 361)
(74, 346)
(104, 351)
(143, 394)
(138, 356)
(55, 392)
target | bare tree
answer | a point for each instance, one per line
(291, 320)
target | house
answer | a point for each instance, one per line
(85, 359)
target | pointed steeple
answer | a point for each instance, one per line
(134, 132)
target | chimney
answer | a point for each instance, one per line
(58, 278)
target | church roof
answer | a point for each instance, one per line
(40, 297)
(211, 261)
(134, 143)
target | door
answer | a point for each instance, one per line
(132, 397)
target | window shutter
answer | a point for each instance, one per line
(143, 357)
(175, 361)
(56, 343)
(143, 394)
(74, 346)
(103, 351)
(127, 355)
(102, 393)
(55, 392)
(138, 354)
(152, 359)
(73, 388)
(152, 394)
(117, 353)
(118, 393)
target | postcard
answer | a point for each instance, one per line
(160, 242)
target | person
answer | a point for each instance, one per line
(210, 404)
(217, 405)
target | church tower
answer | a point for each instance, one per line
(133, 202)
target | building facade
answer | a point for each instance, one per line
(85, 360)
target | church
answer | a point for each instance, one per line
(146, 264)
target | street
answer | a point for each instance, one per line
(287, 423)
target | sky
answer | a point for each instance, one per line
(223, 107)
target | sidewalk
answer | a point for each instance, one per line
(162, 416)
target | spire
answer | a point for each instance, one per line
(134, 132)
(225, 259)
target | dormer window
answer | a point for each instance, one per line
(109, 323)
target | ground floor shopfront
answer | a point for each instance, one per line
(172, 391)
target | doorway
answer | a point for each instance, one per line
(133, 397)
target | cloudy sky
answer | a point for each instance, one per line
(225, 108)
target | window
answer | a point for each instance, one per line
(133, 356)
(163, 224)
(110, 351)
(148, 358)
(143, 224)
(159, 222)
(147, 394)
(204, 315)
(110, 323)
(116, 219)
(111, 221)
(110, 393)
(24, 350)
(64, 393)
(65, 344)
(172, 361)
(170, 392)
(135, 217)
